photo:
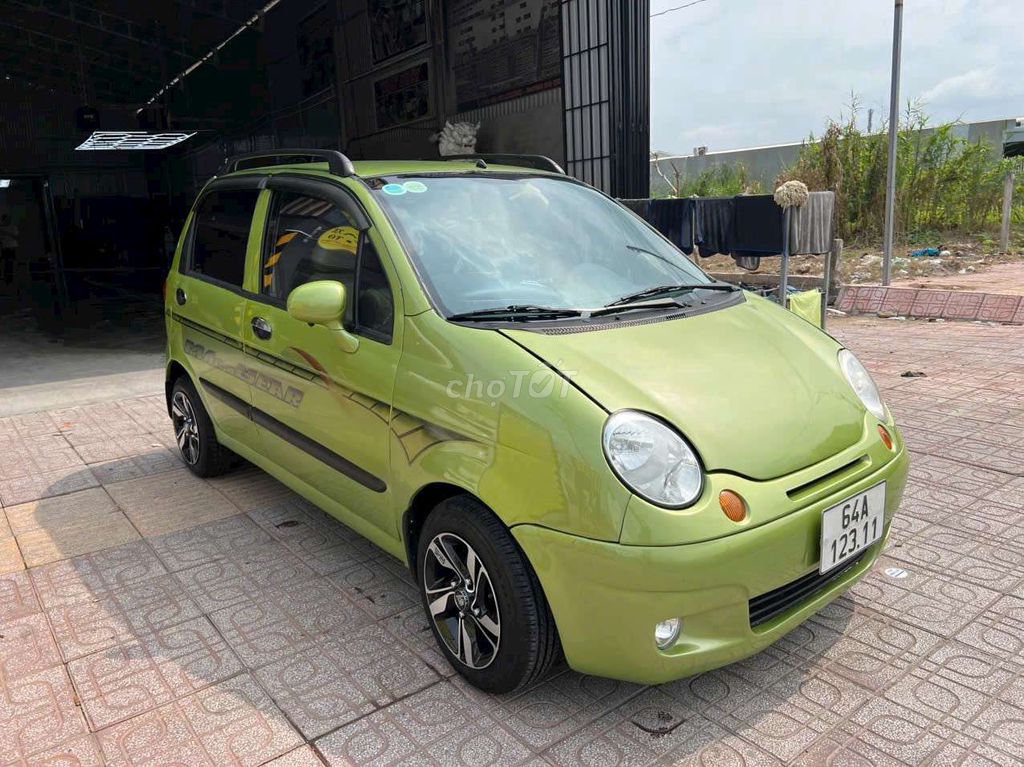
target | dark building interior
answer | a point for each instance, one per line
(86, 236)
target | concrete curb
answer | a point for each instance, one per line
(931, 304)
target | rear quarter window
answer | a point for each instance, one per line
(221, 234)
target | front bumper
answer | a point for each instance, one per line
(606, 597)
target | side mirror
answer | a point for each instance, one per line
(323, 303)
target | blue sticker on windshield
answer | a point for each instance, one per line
(394, 189)
(416, 187)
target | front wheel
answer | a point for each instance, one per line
(482, 598)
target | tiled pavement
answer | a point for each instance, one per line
(163, 619)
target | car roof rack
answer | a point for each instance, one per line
(338, 163)
(535, 161)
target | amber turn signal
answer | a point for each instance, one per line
(733, 505)
(885, 435)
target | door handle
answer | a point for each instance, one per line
(180, 297)
(261, 328)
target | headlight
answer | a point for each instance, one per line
(652, 460)
(862, 384)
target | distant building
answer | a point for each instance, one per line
(765, 163)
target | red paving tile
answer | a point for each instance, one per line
(280, 637)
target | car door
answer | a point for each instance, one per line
(208, 302)
(323, 413)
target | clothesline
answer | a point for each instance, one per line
(746, 227)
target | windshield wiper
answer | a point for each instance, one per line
(661, 290)
(514, 312)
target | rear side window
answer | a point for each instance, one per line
(221, 234)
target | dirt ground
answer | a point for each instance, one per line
(970, 264)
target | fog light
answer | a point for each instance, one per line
(885, 435)
(667, 632)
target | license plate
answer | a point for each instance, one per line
(851, 526)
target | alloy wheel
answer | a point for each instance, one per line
(186, 429)
(461, 600)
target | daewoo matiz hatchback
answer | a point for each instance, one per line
(576, 440)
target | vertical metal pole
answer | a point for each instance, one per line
(784, 269)
(894, 127)
(1004, 233)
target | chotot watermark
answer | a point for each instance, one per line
(532, 384)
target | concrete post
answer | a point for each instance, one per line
(1004, 234)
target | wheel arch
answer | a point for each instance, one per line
(175, 370)
(422, 503)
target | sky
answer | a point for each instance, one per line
(729, 74)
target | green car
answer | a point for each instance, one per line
(577, 441)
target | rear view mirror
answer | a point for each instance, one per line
(323, 303)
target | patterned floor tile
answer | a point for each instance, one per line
(26, 646)
(37, 713)
(66, 526)
(221, 583)
(132, 678)
(173, 500)
(10, 556)
(249, 489)
(155, 459)
(119, 616)
(214, 540)
(17, 597)
(281, 622)
(90, 576)
(435, 726)
(231, 723)
(376, 588)
(336, 681)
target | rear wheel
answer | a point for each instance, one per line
(482, 598)
(194, 433)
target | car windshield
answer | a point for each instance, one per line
(485, 242)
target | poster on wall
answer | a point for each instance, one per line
(402, 97)
(396, 27)
(503, 48)
(316, 51)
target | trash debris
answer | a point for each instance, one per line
(914, 374)
(925, 252)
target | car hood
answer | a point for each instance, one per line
(756, 390)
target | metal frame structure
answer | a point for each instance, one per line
(606, 94)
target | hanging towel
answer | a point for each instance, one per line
(807, 305)
(637, 206)
(810, 226)
(674, 219)
(714, 225)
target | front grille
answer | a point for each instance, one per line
(784, 598)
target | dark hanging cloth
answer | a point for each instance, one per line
(714, 225)
(674, 219)
(638, 206)
(758, 226)
(810, 226)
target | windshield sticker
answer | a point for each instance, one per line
(339, 238)
(416, 187)
(393, 189)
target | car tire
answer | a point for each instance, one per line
(194, 433)
(496, 630)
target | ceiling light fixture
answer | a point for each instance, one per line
(120, 141)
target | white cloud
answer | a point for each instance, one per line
(981, 82)
(735, 73)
